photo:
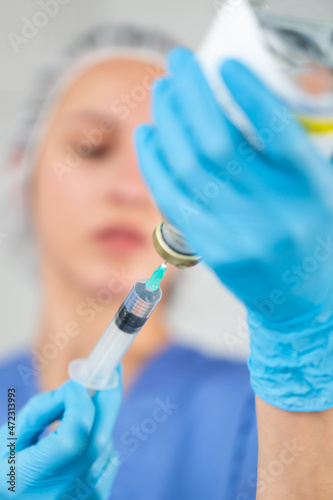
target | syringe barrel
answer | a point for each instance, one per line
(137, 307)
(98, 368)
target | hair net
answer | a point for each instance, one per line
(99, 43)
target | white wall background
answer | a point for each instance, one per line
(203, 313)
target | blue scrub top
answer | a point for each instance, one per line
(186, 430)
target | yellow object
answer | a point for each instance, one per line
(316, 125)
(169, 248)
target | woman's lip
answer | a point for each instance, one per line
(120, 239)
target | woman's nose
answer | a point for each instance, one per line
(127, 185)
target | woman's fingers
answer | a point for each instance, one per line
(95, 481)
(225, 154)
(189, 211)
(199, 108)
(104, 470)
(157, 173)
(70, 438)
(107, 405)
(179, 203)
(281, 137)
(180, 152)
(199, 111)
(40, 411)
(174, 138)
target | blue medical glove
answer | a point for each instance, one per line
(77, 460)
(261, 217)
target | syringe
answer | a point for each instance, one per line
(97, 371)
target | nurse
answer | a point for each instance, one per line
(187, 426)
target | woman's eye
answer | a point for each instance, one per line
(90, 151)
(96, 152)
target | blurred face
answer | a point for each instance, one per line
(92, 212)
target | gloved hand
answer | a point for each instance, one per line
(261, 217)
(77, 460)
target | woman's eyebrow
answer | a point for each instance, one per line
(88, 116)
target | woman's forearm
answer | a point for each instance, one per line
(295, 454)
